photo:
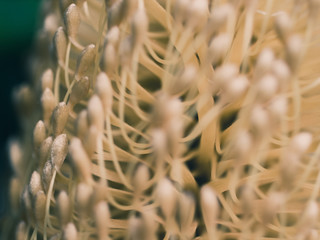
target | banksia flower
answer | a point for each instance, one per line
(170, 119)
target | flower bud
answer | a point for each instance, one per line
(283, 26)
(293, 51)
(84, 197)
(70, 232)
(80, 160)
(21, 231)
(63, 208)
(60, 44)
(300, 143)
(271, 206)
(139, 27)
(46, 176)
(141, 177)
(82, 125)
(103, 89)
(102, 218)
(79, 90)
(267, 87)
(48, 102)
(35, 184)
(59, 118)
(95, 113)
(47, 79)
(16, 157)
(90, 141)
(167, 197)
(72, 20)
(209, 207)
(39, 134)
(264, 63)
(44, 150)
(39, 207)
(59, 150)
(85, 61)
(218, 48)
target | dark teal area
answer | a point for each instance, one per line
(18, 24)
(18, 20)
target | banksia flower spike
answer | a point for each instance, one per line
(170, 119)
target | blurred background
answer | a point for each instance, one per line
(18, 25)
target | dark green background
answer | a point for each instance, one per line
(18, 24)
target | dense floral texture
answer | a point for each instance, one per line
(170, 119)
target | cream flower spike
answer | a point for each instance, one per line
(169, 119)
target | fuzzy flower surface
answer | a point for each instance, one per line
(170, 119)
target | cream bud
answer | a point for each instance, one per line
(16, 160)
(180, 9)
(282, 72)
(72, 20)
(219, 17)
(259, 119)
(113, 36)
(45, 150)
(39, 134)
(235, 88)
(139, 27)
(289, 167)
(59, 118)
(243, 143)
(301, 142)
(141, 177)
(209, 207)
(21, 231)
(35, 184)
(109, 59)
(278, 107)
(309, 216)
(48, 103)
(59, 150)
(264, 63)
(102, 218)
(95, 113)
(70, 232)
(104, 90)
(218, 48)
(197, 14)
(79, 90)
(187, 209)
(247, 199)
(271, 206)
(167, 197)
(223, 75)
(84, 197)
(47, 79)
(85, 60)
(39, 206)
(64, 208)
(267, 87)
(82, 125)
(293, 51)
(46, 176)
(60, 44)
(283, 25)
(80, 160)
(90, 141)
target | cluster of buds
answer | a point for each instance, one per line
(170, 119)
